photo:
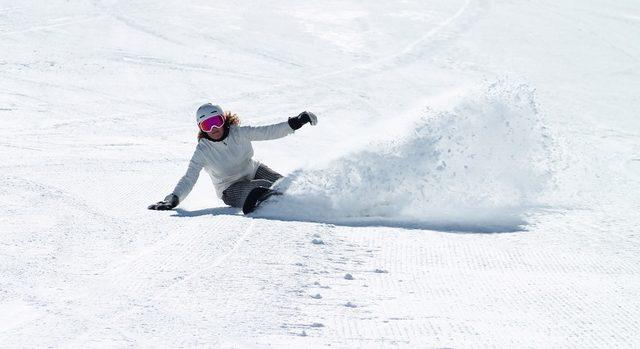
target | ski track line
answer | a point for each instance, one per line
(148, 61)
(166, 259)
(153, 261)
(9, 145)
(439, 27)
(73, 203)
(375, 109)
(318, 77)
(161, 296)
(133, 25)
(65, 197)
(133, 272)
(76, 89)
(216, 262)
(44, 27)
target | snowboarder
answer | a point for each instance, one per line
(224, 150)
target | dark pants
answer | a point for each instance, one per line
(237, 192)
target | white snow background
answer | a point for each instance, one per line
(474, 179)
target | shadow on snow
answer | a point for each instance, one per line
(362, 222)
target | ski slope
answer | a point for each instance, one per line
(474, 180)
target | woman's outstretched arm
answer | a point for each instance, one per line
(184, 186)
(263, 133)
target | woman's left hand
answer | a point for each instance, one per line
(305, 117)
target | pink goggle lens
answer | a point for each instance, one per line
(213, 122)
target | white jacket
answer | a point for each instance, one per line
(229, 160)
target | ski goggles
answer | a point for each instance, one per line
(213, 122)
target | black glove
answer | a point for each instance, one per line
(170, 201)
(305, 117)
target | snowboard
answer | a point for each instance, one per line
(256, 197)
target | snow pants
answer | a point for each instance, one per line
(237, 192)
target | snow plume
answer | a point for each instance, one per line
(478, 166)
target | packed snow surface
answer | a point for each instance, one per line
(473, 181)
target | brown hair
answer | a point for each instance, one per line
(231, 119)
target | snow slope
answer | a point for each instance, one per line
(473, 180)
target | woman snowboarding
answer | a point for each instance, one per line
(224, 150)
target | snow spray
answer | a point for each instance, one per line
(479, 165)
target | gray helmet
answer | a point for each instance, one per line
(207, 110)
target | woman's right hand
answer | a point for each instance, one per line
(169, 202)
